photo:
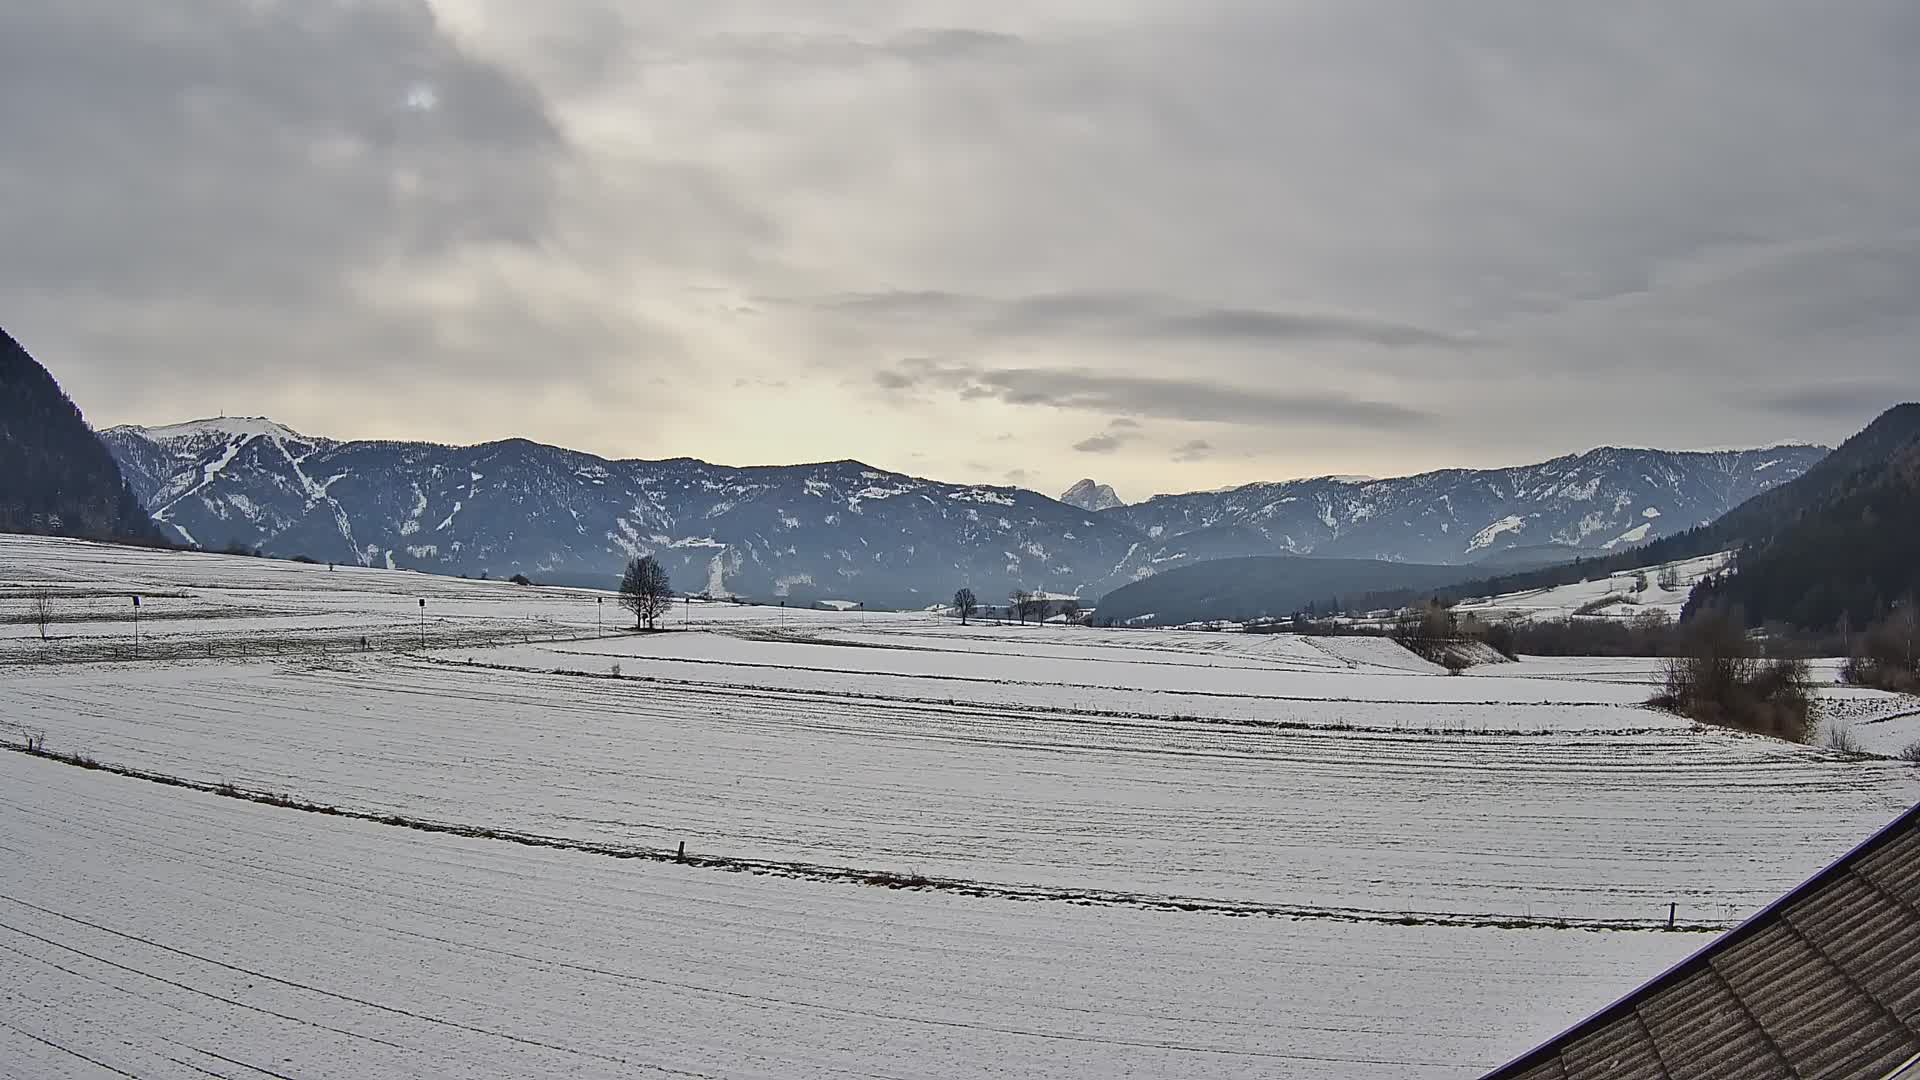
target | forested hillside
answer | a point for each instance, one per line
(1847, 560)
(56, 478)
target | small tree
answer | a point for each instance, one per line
(1019, 602)
(966, 604)
(41, 611)
(645, 590)
(1669, 579)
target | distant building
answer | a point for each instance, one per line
(1824, 983)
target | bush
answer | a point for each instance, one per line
(521, 579)
(1911, 753)
(1718, 678)
(1840, 737)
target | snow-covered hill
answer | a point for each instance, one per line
(1624, 595)
(845, 530)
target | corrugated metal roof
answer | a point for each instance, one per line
(1825, 983)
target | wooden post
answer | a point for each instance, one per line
(682, 855)
(1671, 909)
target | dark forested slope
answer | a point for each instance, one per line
(56, 477)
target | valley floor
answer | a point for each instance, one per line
(913, 849)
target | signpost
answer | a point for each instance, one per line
(423, 623)
(136, 627)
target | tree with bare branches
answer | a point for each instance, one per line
(966, 604)
(1019, 602)
(646, 590)
(41, 611)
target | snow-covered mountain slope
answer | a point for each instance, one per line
(802, 531)
(1602, 500)
(846, 530)
(1626, 594)
(1088, 495)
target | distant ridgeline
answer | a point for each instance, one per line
(56, 477)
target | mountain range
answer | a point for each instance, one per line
(846, 530)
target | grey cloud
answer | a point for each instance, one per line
(1130, 316)
(1099, 444)
(1123, 422)
(945, 43)
(243, 148)
(1273, 327)
(1194, 450)
(1849, 401)
(1167, 398)
(281, 199)
(919, 303)
(917, 45)
(1378, 236)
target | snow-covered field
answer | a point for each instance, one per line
(1179, 854)
(168, 934)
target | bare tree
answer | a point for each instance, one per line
(646, 590)
(966, 604)
(41, 611)
(1019, 602)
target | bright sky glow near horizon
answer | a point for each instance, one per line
(1170, 245)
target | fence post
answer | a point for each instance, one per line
(1671, 909)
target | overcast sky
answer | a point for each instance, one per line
(1171, 244)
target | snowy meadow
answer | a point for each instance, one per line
(336, 832)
